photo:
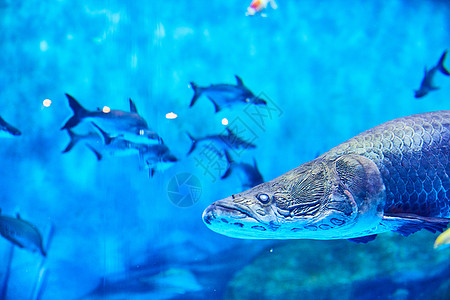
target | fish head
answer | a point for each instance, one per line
(420, 93)
(318, 200)
(258, 101)
(142, 135)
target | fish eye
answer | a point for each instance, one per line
(263, 198)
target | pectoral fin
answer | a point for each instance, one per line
(363, 239)
(406, 224)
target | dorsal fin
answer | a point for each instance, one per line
(230, 133)
(18, 216)
(239, 81)
(133, 107)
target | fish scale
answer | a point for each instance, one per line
(412, 154)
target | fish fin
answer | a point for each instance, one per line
(441, 66)
(363, 239)
(406, 224)
(151, 172)
(217, 108)
(78, 113)
(9, 128)
(133, 108)
(230, 132)
(194, 143)
(18, 216)
(230, 165)
(197, 93)
(97, 154)
(230, 159)
(74, 138)
(106, 138)
(239, 81)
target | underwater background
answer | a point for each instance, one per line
(328, 70)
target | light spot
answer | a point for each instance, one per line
(43, 45)
(225, 121)
(69, 37)
(47, 102)
(106, 109)
(171, 116)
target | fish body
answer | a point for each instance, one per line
(156, 157)
(257, 6)
(226, 95)
(102, 146)
(21, 233)
(251, 175)
(393, 177)
(129, 125)
(427, 82)
(224, 141)
(7, 130)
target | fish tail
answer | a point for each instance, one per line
(197, 93)
(78, 113)
(230, 162)
(107, 139)
(441, 66)
(97, 154)
(74, 139)
(4, 290)
(194, 143)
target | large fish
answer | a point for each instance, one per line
(129, 125)
(7, 130)
(21, 233)
(225, 95)
(427, 82)
(393, 177)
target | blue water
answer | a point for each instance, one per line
(330, 69)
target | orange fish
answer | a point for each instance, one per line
(257, 6)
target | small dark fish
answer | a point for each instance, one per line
(7, 130)
(427, 82)
(252, 176)
(225, 95)
(228, 141)
(156, 157)
(129, 125)
(21, 233)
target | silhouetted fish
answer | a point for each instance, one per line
(156, 157)
(252, 177)
(21, 233)
(129, 125)
(7, 130)
(229, 140)
(225, 95)
(427, 81)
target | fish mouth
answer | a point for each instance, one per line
(221, 210)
